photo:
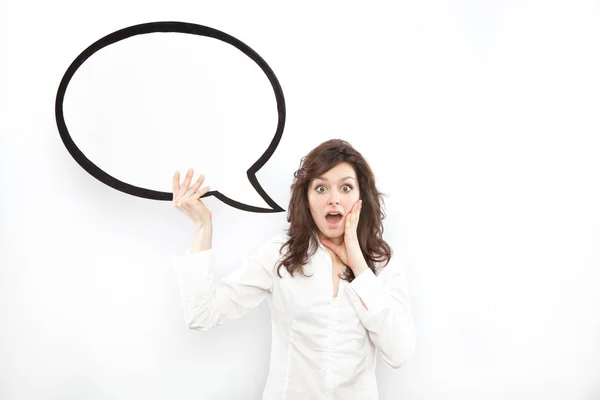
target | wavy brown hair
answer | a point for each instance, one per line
(302, 226)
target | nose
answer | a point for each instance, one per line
(334, 198)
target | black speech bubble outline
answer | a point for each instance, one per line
(179, 27)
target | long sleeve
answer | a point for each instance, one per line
(388, 318)
(207, 305)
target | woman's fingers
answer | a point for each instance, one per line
(352, 219)
(348, 227)
(356, 214)
(186, 198)
(198, 183)
(175, 184)
(188, 178)
(180, 192)
(200, 193)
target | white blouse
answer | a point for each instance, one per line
(323, 347)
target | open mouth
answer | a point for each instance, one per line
(333, 219)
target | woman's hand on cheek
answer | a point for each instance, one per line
(349, 251)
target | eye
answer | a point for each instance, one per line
(321, 186)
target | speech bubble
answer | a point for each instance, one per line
(188, 29)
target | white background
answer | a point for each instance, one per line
(480, 120)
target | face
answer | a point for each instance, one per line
(336, 190)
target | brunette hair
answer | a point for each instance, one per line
(302, 226)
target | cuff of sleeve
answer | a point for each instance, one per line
(192, 270)
(187, 258)
(371, 290)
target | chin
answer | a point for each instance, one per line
(333, 236)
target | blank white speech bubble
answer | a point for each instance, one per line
(149, 104)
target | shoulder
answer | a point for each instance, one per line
(269, 252)
(280, 238)
(396, 267)
(276, 241)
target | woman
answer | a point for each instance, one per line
(334, 299)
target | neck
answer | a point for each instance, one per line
(336, 240)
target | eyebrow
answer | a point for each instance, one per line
(325, 179)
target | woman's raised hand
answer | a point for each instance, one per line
(186, 198)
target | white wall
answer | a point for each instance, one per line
(480, 120)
